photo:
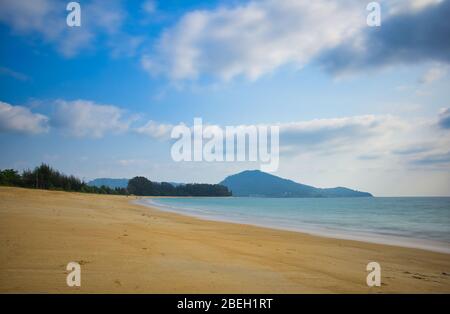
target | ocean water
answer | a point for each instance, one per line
(420, 222)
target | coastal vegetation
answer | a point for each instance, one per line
(45, 177)
(143, 186)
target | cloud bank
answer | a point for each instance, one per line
(248, 39)
(81, 118)
(419, 34)
(252, 39)
(258, 37)
(18, 119)
(367, 137)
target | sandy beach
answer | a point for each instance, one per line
(124, 247)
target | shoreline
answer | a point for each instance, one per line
(422, 244)
(127, 248)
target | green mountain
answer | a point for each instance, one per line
(258, 183)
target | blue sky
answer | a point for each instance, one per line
(362, 107)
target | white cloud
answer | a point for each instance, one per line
(356, 135)
(402, 6)
(20, 119)
(352, 136)
(320, 130)
(253, 39)
(82, 118)
(37, 16)
(258, 37)
(155, 130)
(367, 139)
(367, 134)
(46, 19)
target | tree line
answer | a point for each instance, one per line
(45, 177)
(144, 187)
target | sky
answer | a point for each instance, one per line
(357, 106)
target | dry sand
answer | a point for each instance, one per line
(124, 247)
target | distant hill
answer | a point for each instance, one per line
(258, 183)
(112, 183)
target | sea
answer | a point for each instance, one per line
(418, 222)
